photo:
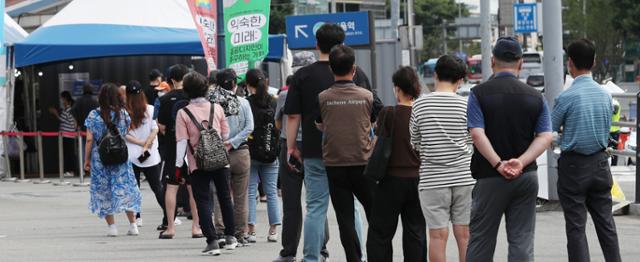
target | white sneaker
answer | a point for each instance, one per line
(177, 222)
(133, 230)
(139, 222)
(67, 174)
(273, 237)
(251, 237)
(112, 231)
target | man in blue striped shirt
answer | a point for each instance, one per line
(583, 114)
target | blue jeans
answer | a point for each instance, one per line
(316, 186)
(268, 174)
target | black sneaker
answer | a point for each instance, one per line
(221, 240)
(230, 243)
(212, 249)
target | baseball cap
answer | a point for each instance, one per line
(134, 87)
(507, 49)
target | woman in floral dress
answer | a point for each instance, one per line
(113, 188)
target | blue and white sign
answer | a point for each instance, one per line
(301, 29)
(526, 18)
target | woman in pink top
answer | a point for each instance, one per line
(195, 86)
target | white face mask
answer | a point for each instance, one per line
(161, 93)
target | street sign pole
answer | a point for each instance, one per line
(485, 32)
(372, 44)
(221, 40)
(553, 76)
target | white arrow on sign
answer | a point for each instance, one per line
(299, 29)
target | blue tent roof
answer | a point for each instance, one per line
(89, 29)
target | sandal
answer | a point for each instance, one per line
(165, 236)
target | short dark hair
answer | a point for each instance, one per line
(195, 85)
(154, 74)
(87, 89)
(328, 36)
(177, 72)
(582, 52)
(341, 59)
(450, 68)
(227, 78)
(407, 80)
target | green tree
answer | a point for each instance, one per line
(279, 10)
(598, 25)
(627, 17)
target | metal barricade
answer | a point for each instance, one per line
(40, 149)
(7, 168)
(82, 183)
(61, 162)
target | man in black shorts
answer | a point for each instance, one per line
(169, 106)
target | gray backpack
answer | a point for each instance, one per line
(210, 153)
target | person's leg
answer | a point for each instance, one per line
(291, 186)
(256, 168)
(342, 198)
(110, 220)
(195, 218)
(270, 184)
(436, 206)
(383, 221)
(154, 178)
(170, 204)
(490, 198)
(201, 181)
(414, 227)
(599, 206)
(136, 172)
(520, 217)
(460, 214)
(572, 185)
(240, 168)
(363, 188)
(217, 213)
(70, 157)
(357, 215)
(317, 202)
(224, 197)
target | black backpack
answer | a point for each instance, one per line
(264, 141)
(112, 147)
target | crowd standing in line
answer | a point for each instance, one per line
(453, 160)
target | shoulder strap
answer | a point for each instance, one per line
(193, 119)
(211, 113)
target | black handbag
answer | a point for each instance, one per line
(376, 168)
(112, 147)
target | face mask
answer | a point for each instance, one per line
(161, 93)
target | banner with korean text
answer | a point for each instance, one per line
(204, 15)
(246, 33)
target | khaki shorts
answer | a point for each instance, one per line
(441, 205)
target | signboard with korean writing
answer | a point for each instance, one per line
(301, 29)
(204, 15)
(526, 18)
(246, 33)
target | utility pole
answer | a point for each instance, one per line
(410, 24)
(444, 38)
(584, 18)
(553, 74)
(524, 36)
(395, 17)
(460, 19)
(485, 32)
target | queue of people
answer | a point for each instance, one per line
(451, 162)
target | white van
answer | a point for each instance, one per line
(531, 64)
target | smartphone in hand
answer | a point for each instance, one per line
(297, 166)
(144, 156)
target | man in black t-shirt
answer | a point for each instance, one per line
(169, 106)
(302, 106)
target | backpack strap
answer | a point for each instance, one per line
(211, 113)
(193, 119)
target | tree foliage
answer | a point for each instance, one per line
(628, 17)
(599, 26)
(279, 10)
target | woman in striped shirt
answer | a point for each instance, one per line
(67, 124)
(438, 128)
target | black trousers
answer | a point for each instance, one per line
(70, 157)
(201, 186)
(155, 182)
(584, 184)
(344, 183)
(393, 197)
(291, 187)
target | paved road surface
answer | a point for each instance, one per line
(48, 223)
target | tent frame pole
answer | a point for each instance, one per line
(221, 35)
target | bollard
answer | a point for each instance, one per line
(20, 147)
(80, 162)
(7, 168)
(40, 161)
(60, 162)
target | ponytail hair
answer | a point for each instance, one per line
(257, 79)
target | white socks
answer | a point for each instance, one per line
(112, 230)
(133, 230)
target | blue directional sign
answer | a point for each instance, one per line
(301, 29)
(526, 18)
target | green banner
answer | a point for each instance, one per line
(246, 24)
